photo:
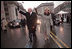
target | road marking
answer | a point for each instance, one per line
(61, 41)
(56, 41)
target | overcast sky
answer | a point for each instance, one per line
(32, 4)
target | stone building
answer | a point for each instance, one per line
(41, 7)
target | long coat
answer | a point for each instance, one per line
(31, 19)
(45, 26)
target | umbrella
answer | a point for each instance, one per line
(62, 12)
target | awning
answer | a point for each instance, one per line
(62, 12)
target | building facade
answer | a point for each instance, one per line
(66, 6)
(11, 11)
(3, 18)
(41, 7)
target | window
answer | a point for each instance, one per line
(5, 4)
(6, 9)
(6, 14)
(16, 12)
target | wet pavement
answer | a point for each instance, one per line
(18, 38)
(14, 38)
(63, 32)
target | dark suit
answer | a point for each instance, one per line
(23, 22)
(53, 18)
(31, 22)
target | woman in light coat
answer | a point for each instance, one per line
(46, 23)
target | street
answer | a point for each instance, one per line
(50, 19)
(64, 33)
(18, 38)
